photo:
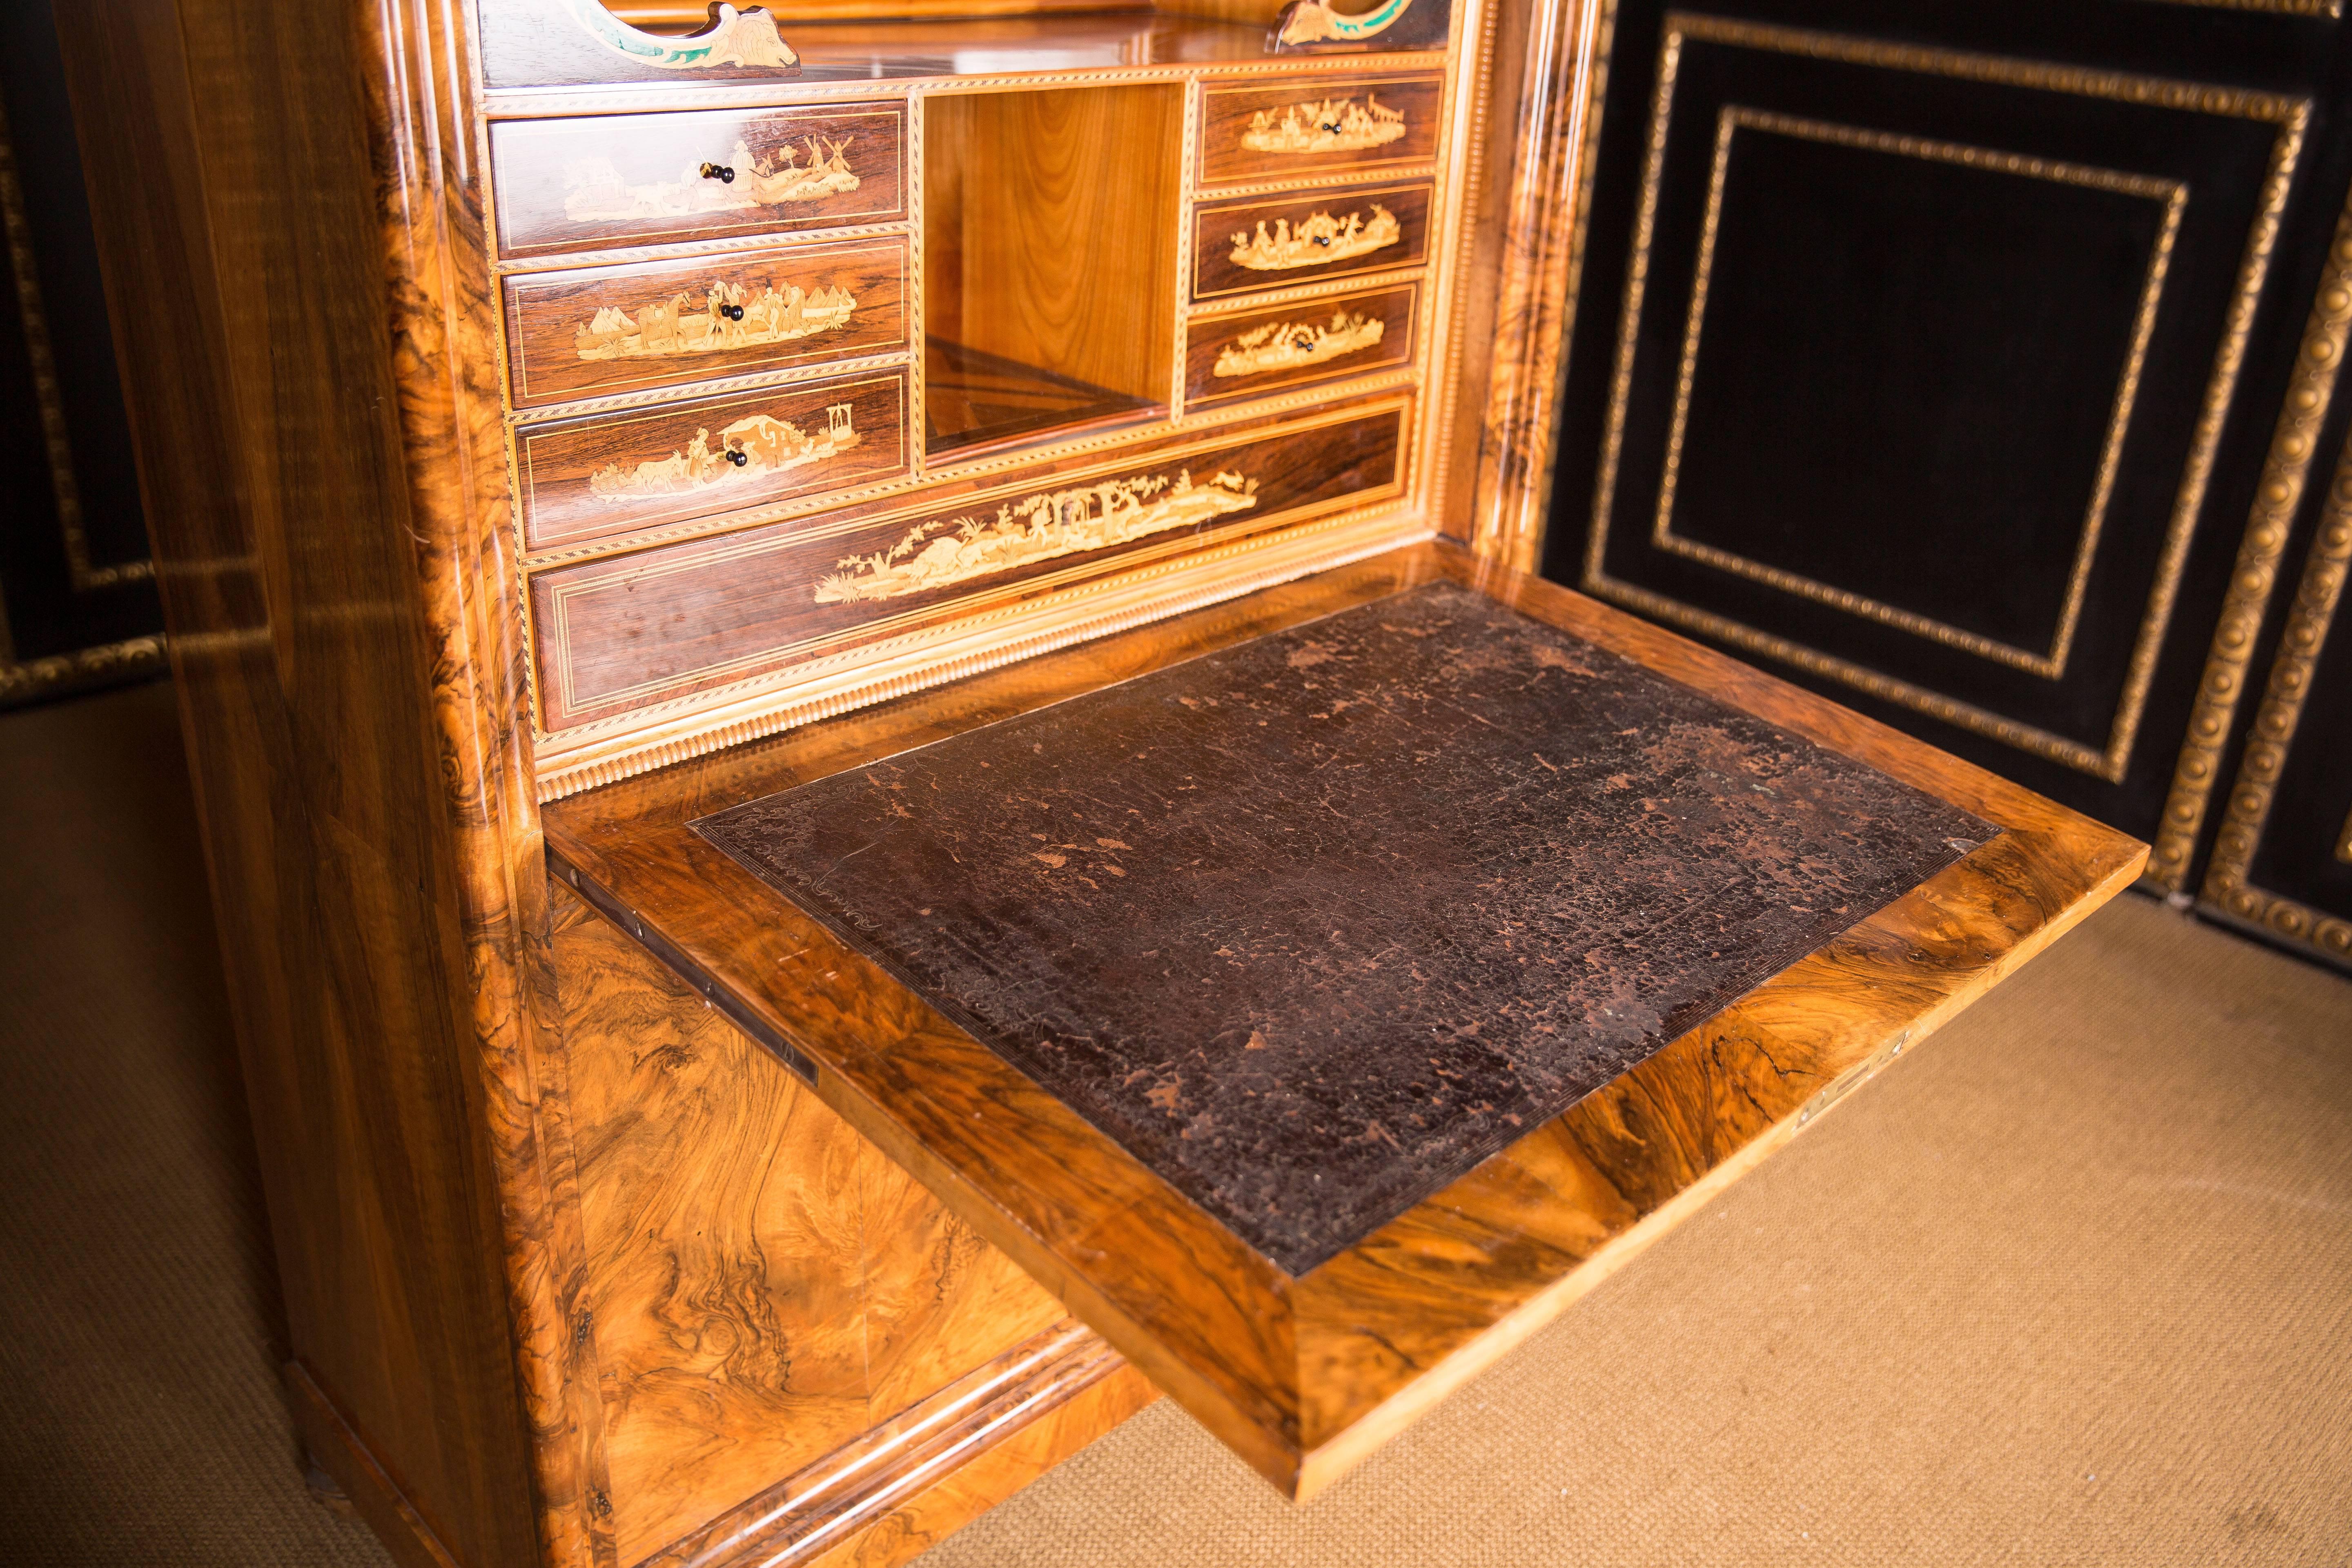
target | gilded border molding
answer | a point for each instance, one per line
(2268, 740)
(33, 680)
(2291, 116)
(2277, 496)
(42, 363)
(2050, 663)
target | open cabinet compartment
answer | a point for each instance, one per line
(1050, 229)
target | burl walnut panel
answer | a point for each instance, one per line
(635, 179)
(1255, 352)
(765, 1286)
(1254, 246)
(612, 474)
(619, 633)
(586, 330)
(1327, 126)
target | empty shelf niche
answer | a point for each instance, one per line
(1049, 262)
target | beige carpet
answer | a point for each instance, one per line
(2074, 1285)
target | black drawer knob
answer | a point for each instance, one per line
(732, 312)
(738, 458)
(719, 172)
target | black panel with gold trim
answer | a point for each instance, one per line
(1935, 356)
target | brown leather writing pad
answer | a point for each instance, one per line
(1313, 925)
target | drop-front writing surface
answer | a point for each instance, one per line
(1078, 1128)
(539, 401)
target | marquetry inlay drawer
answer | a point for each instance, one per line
(1251, 354)
(588, 330)
(1320, 126)
(612, 474)
(1281, 242)
(618, 634)
(643, 179)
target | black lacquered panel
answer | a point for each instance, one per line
(1312, 926)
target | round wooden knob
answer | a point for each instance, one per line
(719, 172)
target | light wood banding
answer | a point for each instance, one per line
(1354, 138)
(585, 330)
(636, 179)
(1222, 364)
(608, 475)
(665, 624)
(1379, 244)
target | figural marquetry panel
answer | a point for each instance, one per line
(602, 476)
(1250, 247)
(586, 329)
(1938, 374)
(613, 635)
(610, 180)
(1256, 353)
(1321, 126)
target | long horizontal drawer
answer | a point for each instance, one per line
(613, 635)
(608, 475)
(587, 329)
(1324, 125)
(641, 179)
(1256, 353)
(1281, 242)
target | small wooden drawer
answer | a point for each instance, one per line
(1324, 125)
(1267, 243)
(587, 329)
(623, 633)
(612, 474)
(643, 179)
(1255, 352)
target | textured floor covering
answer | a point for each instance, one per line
(2072, 1285)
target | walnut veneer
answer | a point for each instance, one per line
(523, 403)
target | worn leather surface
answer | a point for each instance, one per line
(1313, 925)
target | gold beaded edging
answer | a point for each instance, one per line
(2226, 890)
(2318, 367)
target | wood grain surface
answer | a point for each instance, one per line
(1243, 886)
(613, 635)
(1220, 228)
(1048, 230)
(608, 475)
(1217, 369)
(765, 1287)
(586, 329)
(1321, 126)
(1304, 1374)
(316, 424)
(638, 179)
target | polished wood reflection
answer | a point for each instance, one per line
(1304, 1376)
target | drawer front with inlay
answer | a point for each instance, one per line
(589, 330)
(612, 474)
(1323, 126)
(645, 179)
(1255, 352)
(620, 634)
(1281, 242)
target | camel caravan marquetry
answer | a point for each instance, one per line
(877, 781)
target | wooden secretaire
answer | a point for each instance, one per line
(869, 790)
